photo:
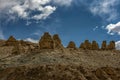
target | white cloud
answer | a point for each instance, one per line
(63, 2)
(95, 28)
(105, 9)
(113, 28)
(46, 11)
(1, 33)
(24, 8)
(31, 40)
(117, 45)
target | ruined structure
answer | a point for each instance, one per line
(71, 45)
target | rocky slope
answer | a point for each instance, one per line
(49, 60)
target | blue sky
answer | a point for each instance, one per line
(75, 20)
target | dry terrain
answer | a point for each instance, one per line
(56, 64)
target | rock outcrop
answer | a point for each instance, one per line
(57, 42)
(46, 41)
(95, 45)
(71, 45)
(86, 45)
(104, 45)
(111, 45)
(11, 41)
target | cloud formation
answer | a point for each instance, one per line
(105, 8)
(1, 33)
(63, 2)
(113, 28)
(31, 40)
(117, 45)
(24, 8)
(31, 9)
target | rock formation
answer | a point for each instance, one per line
(86, 45)
(71, 45)
(95, 45)
(111, 45)
(57, 41)
(104, 45)
(82, 46)
(11, 41)
(46, 41)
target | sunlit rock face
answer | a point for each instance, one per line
(111, 45)
(57, 42)
(46, 41)
(11, 41)
(71, 44)
(95, 45)
(86, 45)
(104, 45)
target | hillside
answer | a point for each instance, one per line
(50, 60)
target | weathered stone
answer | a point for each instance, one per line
(57, 41)
(111, 45)
(71, 45)
(104, 45)
(95, 45)
(11, 41)
(46, 41)
(86, 45)
(82, 46)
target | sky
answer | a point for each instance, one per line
(73, 20)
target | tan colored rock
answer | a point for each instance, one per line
(104, 45)
(86, 45)
(82, 46)
(57, 41)
(46, 41)
(71, 45)
(111, 45)
(95, 45)
(11, 41)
